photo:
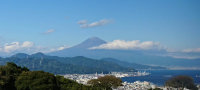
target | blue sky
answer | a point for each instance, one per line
(175, 24)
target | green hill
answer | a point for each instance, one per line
(63, 65)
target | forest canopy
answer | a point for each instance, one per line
(13, 77)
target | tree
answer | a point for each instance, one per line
(13, 77)
(67, 84)
(107, 82)
(36, 80)
(181, 82)
(8, 75)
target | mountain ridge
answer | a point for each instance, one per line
(63, 65)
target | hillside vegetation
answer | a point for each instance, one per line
(13, 77)
(64, 65)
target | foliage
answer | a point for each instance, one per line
(8, 75)
(67, 84)
(181, 82)
(36, 80)
(13, 77)
(108, 82)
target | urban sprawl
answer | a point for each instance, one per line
(137, 85)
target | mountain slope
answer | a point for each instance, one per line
(80, 49)
(63, 65)
(90, 42)
(92, 63)
(132, 65)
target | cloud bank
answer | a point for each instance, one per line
(56, 49)
(129, 45)
(27, 47)
(150, 45)
(85, 24)
(10, 47)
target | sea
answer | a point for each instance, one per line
(158, 77)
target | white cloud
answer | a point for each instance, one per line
(85, 24)
(27, 47)
(49, 31)
(16, 46)
(27, 44)
(62, 47)
(11, 47)
(48, 49)
(195, 50)
(130, 45)
(150, 45)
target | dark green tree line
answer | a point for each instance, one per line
(13, 77)
(8, 75)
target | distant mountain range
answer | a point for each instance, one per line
(149, 57)
(78, 64)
